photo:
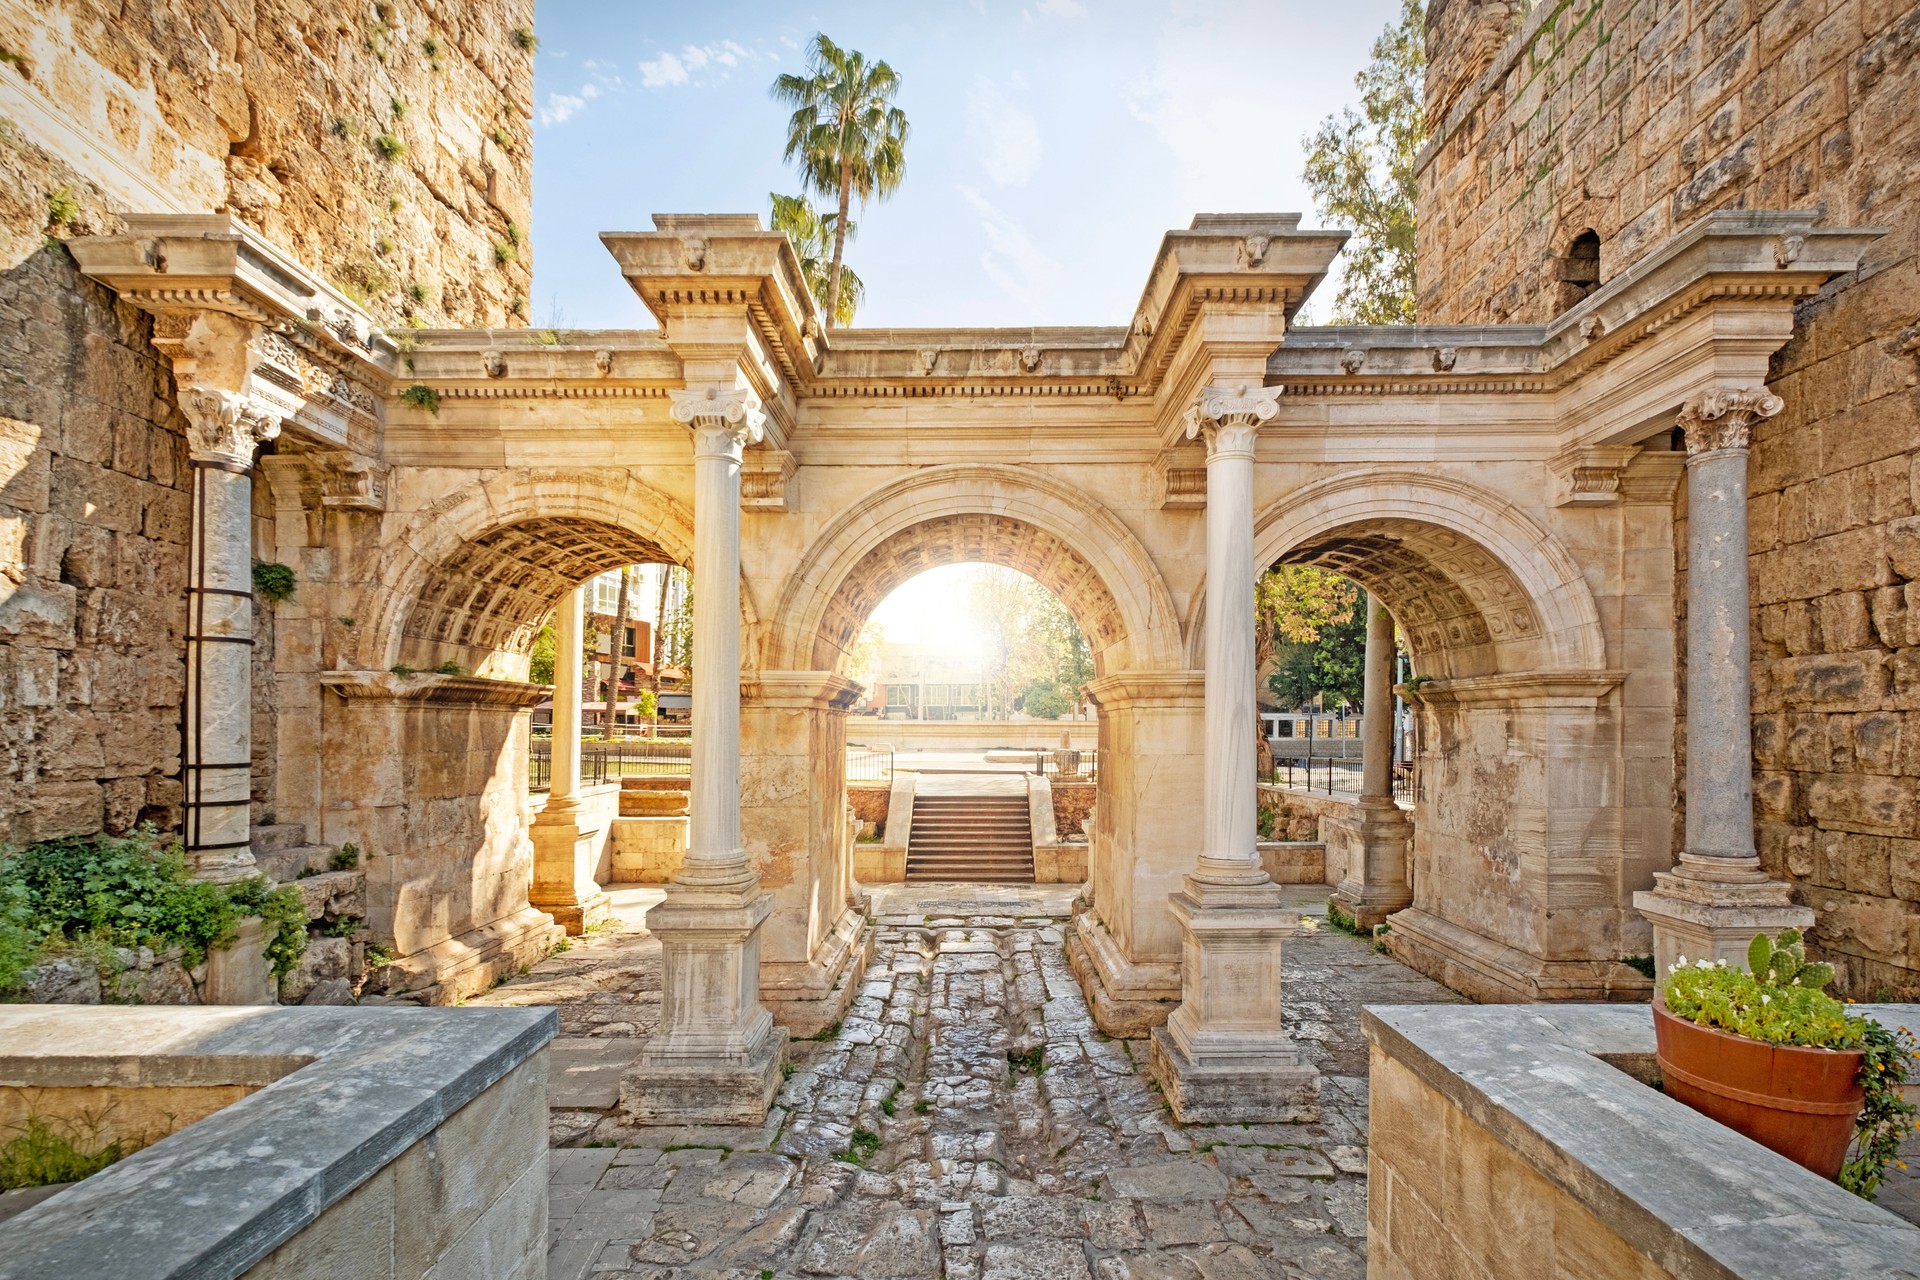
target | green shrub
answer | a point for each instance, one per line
(524, 37)
(502, 139)
(39, 1157)
(421, 396)
(389, 147)
(503, 252)
(346, 858)
(449, 668)
(94, 893)
(274, 582)
(62, 207)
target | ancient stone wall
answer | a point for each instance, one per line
(389, 146)
(1632, 120)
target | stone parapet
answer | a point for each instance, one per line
(464, 1132)
(1514, 1144)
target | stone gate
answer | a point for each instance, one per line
(1506, 491)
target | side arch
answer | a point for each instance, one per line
(543, 530)
(1475, 583)
(943, 514)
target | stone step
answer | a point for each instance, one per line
(333, 893)
(285, 865)
(274, 837)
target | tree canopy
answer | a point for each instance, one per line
(812, 235)
(846, 137)
(1360, 168)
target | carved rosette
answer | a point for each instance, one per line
(1230, 418)
(225, 427)
(725, 420)
(1724, 419)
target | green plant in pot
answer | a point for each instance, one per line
(1768, 1053)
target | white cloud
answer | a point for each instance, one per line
(1065, 9)
(662, 72)
(1012, 260)
(1004, 137)
(672, 69)
(562, 107)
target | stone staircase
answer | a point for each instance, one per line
(971, 837)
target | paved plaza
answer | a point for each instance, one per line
(967, 1119)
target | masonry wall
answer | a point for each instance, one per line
(274, 112)
(1633, 120)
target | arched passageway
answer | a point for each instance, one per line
(1525, 826)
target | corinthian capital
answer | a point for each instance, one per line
(724, 419)
(1724, 419)
(1231, 417)
(224, 428)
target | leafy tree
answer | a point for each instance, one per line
(812, 236)
(540, 660)
(1360, 167)
(1318, 627)
(1044, 701)
(1062, 645)
(846, 135)
(659, 646)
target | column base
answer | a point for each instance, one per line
(1703, 913)
(1223, 1056)
(671, 1091)
(717, 1056)
(576, 916)
(1490, 972)
(808, 998)
(1377, 840)
(1127, 1000)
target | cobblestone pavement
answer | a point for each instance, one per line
(968, 1120)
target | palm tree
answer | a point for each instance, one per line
(846, 134)
(812, 237)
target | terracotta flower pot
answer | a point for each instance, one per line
(1800, 1102)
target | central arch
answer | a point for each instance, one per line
(1063, 539)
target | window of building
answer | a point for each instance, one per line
(1579, 269)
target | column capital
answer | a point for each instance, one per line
(1724, 419)
(225, 428)
(725, 420)
(1230, 417)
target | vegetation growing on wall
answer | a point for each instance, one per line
(96, 893)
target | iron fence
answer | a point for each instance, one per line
(610, 761)
(1332, 773)
(1066, 764)
(869, 764)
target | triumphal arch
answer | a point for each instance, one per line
(1506, 491)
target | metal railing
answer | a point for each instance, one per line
(1067, 764)
(1330, 774)
(869, 764)
(610, 761)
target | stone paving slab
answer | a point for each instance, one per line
(967, 1120)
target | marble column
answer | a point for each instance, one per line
(1223, 1055)
(1377, 836)
(1712, 904)
(568, 832)
(716, 1058)
(225, 428)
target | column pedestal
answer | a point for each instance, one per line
(565, 855)
(1223, 1056)
(1377, 837)
(1698, 913)
(708, 1064)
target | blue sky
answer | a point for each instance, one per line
(1053, 140)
